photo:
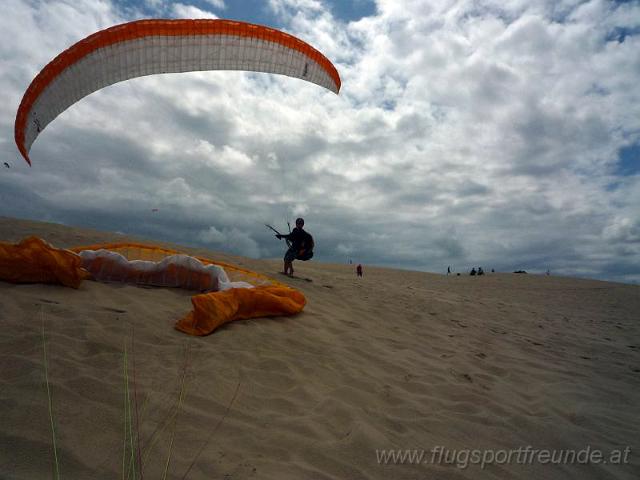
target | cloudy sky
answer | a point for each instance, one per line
(504, 134)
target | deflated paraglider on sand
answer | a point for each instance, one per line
(232, 293)
(152, 46)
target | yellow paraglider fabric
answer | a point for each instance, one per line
(212, 310)
(35, 261)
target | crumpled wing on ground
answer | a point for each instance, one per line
(241, 293)
(212, 310)
(35, 261)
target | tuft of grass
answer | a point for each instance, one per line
(124, 440)
(135, 399)
(130, 434)
(169, 420)
(133, 460)
(46, 381)
(178, 408)
(215, 429)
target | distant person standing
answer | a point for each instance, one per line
(359, 270)
(449, 270)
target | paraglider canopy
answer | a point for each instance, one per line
(147, 47)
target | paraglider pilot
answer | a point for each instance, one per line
(301, 246)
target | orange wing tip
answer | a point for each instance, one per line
(214, 309)
(33, 260)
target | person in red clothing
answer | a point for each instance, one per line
(359, 270)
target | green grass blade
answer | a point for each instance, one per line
(181, 397)
(215, 429)
(124, 440)
(46, 377)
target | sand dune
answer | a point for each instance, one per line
(394, 360)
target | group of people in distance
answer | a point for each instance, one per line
(301, 248)
(473, 271)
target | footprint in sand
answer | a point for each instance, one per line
(114, 310)
(45, 300)
(459, 323)
(461, 376)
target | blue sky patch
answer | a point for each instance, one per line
(352, 10)
(253, 11)
(258, 11)
(619, 34)
(629, 160)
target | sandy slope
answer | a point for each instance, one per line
(396, 359)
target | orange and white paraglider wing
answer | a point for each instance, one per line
(147, 47)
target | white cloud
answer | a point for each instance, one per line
(286, 7)
(217, 4)
(466, 133)
(212, 235)
(180, 10)
(345, 249)
(231, 240)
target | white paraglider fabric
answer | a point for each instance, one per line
(180, 271)
(148, 47)
(152, 55)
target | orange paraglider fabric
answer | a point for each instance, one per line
(35, 261)
(212, 310)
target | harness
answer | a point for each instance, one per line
(303, 254)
